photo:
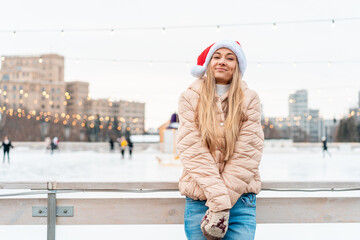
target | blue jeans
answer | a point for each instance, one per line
(242, 222)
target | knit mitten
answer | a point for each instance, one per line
(215, 224)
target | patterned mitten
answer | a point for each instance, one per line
(215, 224)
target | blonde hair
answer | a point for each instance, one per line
(207, 110)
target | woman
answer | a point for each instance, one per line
(220, 143)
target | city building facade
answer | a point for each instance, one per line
(306, 124)
(77, 95)
(36, 84)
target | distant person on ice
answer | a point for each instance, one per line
(111, 144)
(48, 142)
(123, 144)
(324, 141)
(130, 146)
(54, 144)
(6, 144)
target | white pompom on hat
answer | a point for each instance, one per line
(205, 57)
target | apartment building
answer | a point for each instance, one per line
(33, 82)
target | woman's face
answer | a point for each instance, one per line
(222, 65)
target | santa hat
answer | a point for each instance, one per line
(205, 57)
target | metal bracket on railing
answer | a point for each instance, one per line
(63, 211)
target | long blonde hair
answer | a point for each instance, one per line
(207, 110)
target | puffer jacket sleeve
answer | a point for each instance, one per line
(196, 158)
(240, 169)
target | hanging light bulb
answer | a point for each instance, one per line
(13, 33)
(333, 23)
(329, 63)
(294, 64)
(114, 61)
(259, 65)
(163, 30)
(218, 28)
(151, 63)
(62, 32)
(77, 61)
(2, 58)
(274, 25)
(187, 64)
(40, 60)
(112, 31)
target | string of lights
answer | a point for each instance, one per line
(67, 119)
(47, 116)
(164, 29)
(49, 98)
(170, 61)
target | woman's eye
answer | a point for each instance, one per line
(216, 57)
(230, 59)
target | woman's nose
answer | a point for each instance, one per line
(221, 61)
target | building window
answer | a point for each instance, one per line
(58, 90)
(14, 88)
(5, 77)
(5, 87)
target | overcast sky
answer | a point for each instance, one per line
(332, 89)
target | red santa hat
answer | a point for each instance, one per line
(205, 57)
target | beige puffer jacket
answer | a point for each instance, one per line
(219, 182)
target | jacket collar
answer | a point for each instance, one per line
(196, 86)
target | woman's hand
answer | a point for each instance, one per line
(215, 224)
